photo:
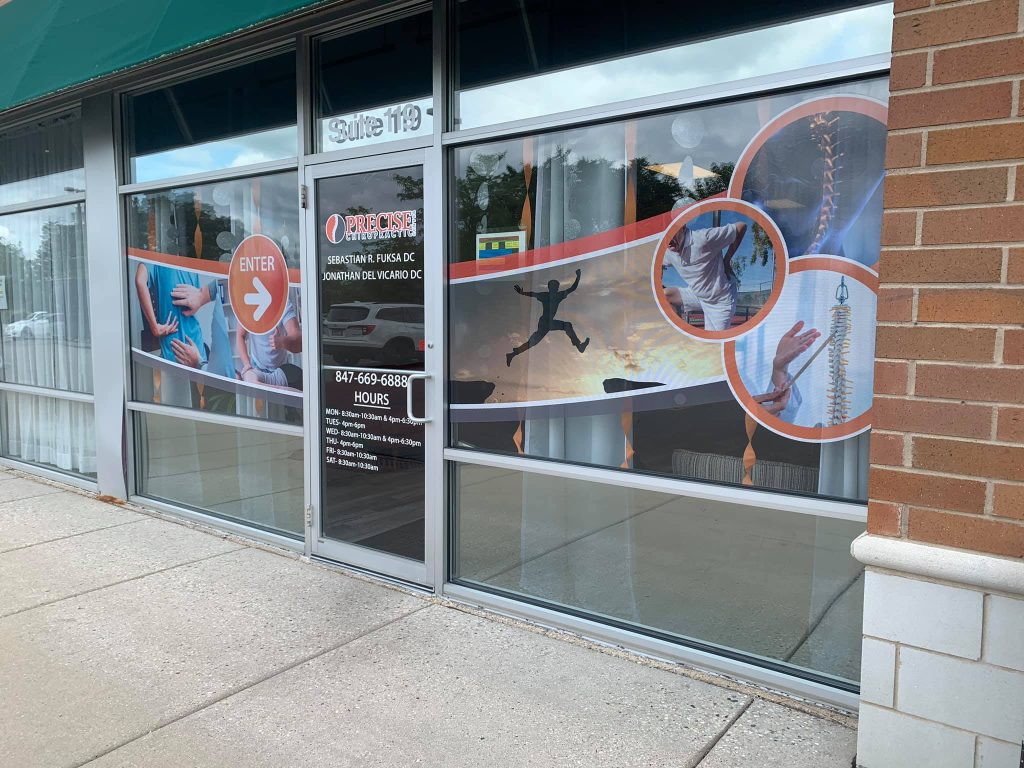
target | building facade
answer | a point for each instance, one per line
(943, 651)
(697, 338)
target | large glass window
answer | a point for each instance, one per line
(214, 297)
(375, 85)
(774, 585)
(517, 59)
(45, 338)
(689, 294)
(232, 117)
(214, 294)
(252, 476)
(41, 159)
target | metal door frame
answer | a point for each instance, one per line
(388, 565)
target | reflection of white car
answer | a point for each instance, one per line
(378, 332)
(37, 325)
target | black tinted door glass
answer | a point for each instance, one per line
(370, 250)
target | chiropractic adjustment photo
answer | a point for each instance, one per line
(719, 269)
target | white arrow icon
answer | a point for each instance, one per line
(260, 299)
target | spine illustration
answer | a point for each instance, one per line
(840, 386)
(825, 129)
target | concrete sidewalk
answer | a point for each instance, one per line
(127, 639)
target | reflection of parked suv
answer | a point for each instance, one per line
(378, 332)
(38, 324)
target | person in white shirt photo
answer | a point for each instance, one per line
(703, 259)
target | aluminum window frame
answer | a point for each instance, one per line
(37, 112)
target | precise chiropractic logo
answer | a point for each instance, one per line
(334, 223)
(370, 226)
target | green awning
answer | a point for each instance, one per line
(49, 45)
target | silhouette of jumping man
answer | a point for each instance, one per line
(549, 300)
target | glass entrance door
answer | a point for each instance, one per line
(366, 226)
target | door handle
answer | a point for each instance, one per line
(408, 397)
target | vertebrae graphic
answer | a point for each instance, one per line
(824, 129)
(840, 386)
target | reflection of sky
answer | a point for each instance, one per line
(24, 231)
(39, 187)
(845, 35)
(262, 147)
(809, 296)
(755, 277)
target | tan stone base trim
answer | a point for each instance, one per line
(975, 569)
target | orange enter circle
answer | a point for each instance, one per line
(258, 284)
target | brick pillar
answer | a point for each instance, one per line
(943, 660)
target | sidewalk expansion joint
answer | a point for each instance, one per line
(699, 758)
(69, 536)
(245, 687)
(118, 583)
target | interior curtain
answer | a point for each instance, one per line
(46, 338)
(580, 191)
(844, 467)
(45, 430)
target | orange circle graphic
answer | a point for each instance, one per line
(860, 105)
(853, 269)
(689, 214)
(258, 284)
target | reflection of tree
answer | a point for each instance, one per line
(409, 187)
(657, 192)
(60, 260)
(12, 263)
(592, 189)
(708, 186)
(167, 221)
(52, 279)
(359, 289)
(593, 192)
(506, 193)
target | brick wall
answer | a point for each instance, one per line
(948, 442)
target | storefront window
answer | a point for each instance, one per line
(248, 475)
(519, 59)
(214, 297)
(690, 294)
(374, 86)
(44, 304)
(774, 585)
(233, 117)
(45, 338)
